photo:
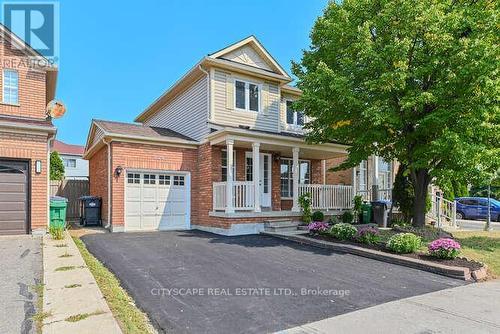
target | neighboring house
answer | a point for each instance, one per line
(25, 136)
(75, 167)
(222, 150)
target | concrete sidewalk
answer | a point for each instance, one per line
(471, 308)
(71, 295)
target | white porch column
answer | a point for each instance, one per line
(354, 182)
(256, 175)
(295, 175)
(375, 186)
(230, 176)
(323, 167)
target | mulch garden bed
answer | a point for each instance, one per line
(458, 262)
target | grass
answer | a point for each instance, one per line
(40, 315)
(71, 286)
(65, 268)
(129, 317)
(483, 247)
(82, 316)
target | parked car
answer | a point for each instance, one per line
(477, 208)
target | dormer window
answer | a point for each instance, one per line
(294, 118)
(10, 87)
(247, 96)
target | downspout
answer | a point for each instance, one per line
(108, 144)
(49, 143)
(208, 92)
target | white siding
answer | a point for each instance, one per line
(267, 120)
(81, 169)
(187, 114)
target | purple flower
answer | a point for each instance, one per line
(443, 243)
(318, 227)
(367, 230)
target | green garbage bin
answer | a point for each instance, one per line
(366, 212)
(58, 207)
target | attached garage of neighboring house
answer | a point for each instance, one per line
(143, 174)
(14, 197)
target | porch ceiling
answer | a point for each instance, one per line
(278, 144)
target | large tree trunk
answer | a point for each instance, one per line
(420, 179)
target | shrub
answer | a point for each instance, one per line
(343, 231)
(444, 248)
(358, 202)
(305, 204)
(347, 217)
(57, 232)
(333, 220)
(318, 216)
(368, 235)
(404, 243)
(317, 227)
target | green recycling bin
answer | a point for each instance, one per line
(366, 212)
(58, 207)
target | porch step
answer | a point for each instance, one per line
(280, 225)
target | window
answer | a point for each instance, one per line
(293, 118)
(133, 178)
(164, 179)
(249, 168)
(149, 179)
(384, 174)
(70, 163)
(361, 174)
(178, 180)
(246, 96)
(224, 165)
(286, 168)
(10, 87)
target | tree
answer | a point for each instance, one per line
(56, 166)
(415, 81)
(403, 194)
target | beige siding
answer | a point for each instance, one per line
(224, 113)
(98, 134)
(248, 56)
(187, 113)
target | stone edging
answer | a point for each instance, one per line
(450, 271)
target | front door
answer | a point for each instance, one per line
(265, 180)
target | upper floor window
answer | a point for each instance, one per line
(71, 163)
(247, 95)
(10, 86)
(293, 118)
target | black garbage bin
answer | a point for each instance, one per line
(380, 212)
(90, 211)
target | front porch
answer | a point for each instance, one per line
(263, 175)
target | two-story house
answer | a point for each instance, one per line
(27, 84)
(222, 150)
(75, 167)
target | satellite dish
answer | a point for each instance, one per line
(56, 109)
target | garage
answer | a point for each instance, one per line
(157, 201)
(14, 192)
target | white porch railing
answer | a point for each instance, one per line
(328, 197)
(243, 195)
(443, 210)
(383, 194)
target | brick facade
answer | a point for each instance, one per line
(26, 144)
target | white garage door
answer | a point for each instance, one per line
(156, 201)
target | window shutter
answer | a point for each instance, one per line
(265, 98)
(229, 92)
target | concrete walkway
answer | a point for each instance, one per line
(473, 308)
(71, 295)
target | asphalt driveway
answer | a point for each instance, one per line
(196, 282)
(21, 271)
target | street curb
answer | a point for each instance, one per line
(450, 271)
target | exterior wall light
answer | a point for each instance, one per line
(38, 166)
(118, 171)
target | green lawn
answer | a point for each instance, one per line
(483, 247)
(130, 318)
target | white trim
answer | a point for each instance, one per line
(187, 184)
(4, 87)
(247, 95)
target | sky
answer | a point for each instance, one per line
(117, 57)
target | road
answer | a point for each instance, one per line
(476, 225)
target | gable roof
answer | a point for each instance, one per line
(254, 43)
(63, 148)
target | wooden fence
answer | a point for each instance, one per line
(72, 190)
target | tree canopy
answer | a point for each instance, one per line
(415, 81)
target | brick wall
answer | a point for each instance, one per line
(340, 177)
(98, 179)
(31, 84)
(30, 147)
